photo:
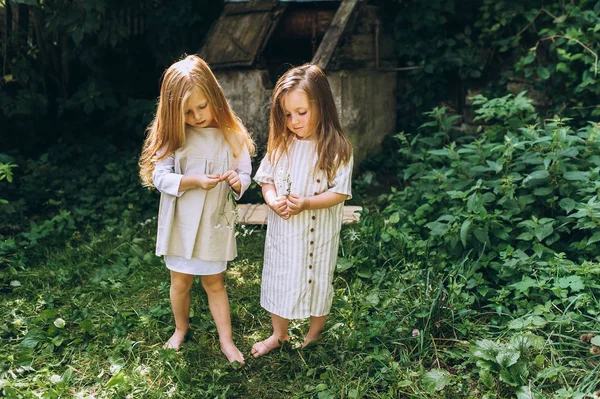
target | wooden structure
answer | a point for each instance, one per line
(257, 214)
(254, 42)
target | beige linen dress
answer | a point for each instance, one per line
(196, 228)
(301, 252)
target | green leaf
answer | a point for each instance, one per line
(444, 152)
(577, 176)
(364, 272)
(594, 238)
(475, 203)
(485, 349)
(596, 340)
(481, 235)
(32, 338)
(372, 298)
(543, 73)
(507, 357)
(537, 175)
(516, 324)
(525, 236)
(524, 285)
(525, 392)
(344, 264)
(538, 321)
(562, 67)
(437, 228)
(542, 191)
(464, 231)
(435, 380)
(567, 204)
(575, 283)
(543, 231)
(116, 380)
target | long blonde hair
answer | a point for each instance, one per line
(166, 133)
(333, 147)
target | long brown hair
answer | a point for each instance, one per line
(166, 133)
(333, 147)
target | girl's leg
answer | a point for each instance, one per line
(181, 285)
(280, 333)
(317, 324)
(219, 308)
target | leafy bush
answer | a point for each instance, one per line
(548, 48)
(497, 233)
(530, 194)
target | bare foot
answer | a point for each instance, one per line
(308, 340)
(263, 347)
(232, 353)
(176, 340)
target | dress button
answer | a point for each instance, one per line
(311, 230)
(312, 242)
(310, 266)
(313, 218)
(316, 193)
(309, 281)
(318, 180)
(310, 254)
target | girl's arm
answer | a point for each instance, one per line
(298, 203)
(339, 191)
(169, 182)
(164, 178)
(278, 204)
(205, 182)
(239, 179)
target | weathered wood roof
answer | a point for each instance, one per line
(244, 28)
(241, 33)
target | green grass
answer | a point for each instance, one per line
(87, 318)
(112, 294)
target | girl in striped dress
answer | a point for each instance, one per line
(197, 154)
(305, 178)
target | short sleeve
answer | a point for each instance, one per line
(264, 174)
(342, 183)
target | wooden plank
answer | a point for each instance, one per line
(334, 33)
(249, 6)
(257, 214)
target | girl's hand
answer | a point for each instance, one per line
(207, 182)
(233, 179)
(297, 203)
(279, 206)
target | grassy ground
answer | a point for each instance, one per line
(90, 321)
(85, 311)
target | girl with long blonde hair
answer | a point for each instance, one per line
(197, 154)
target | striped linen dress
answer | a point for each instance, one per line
(301, 252)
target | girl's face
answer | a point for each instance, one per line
(298, 114)
(198, 112)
